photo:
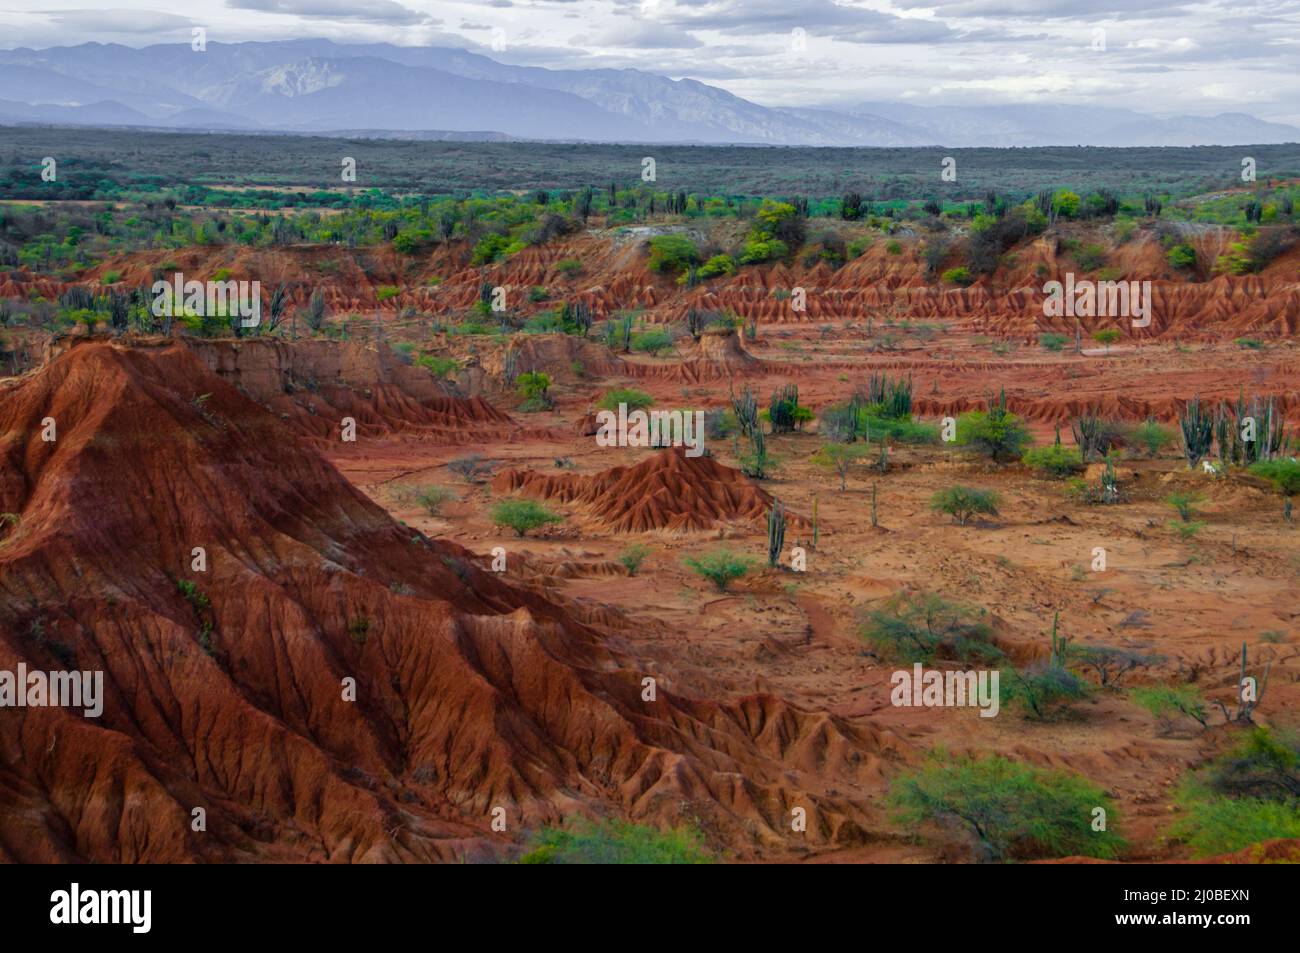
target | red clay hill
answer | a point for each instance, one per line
(227, 689)
(667, 491)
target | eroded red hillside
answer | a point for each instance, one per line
(471, 694)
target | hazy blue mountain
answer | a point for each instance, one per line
(317, 85)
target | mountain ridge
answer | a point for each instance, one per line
(320, 86)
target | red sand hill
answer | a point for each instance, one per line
(470, 694)
(667, 491)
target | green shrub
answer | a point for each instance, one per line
(652, 341)
(569, 266)
(385, 292)
(635, 399)
(963, 502)
(615, 842)
(1283, 473)
(438, 366)
(1041, 691)
(1106, 336)
(359, 630)
(1168, 702)
(672, 253)
(432, 498)
(1055, 459)
(1245, 796)
(533, 384)
(721, 567)
(1151, 435)
(894, 248)
(1182, 256)
(996, 433)
(1249, 344)
(717, 265)
(958, 276)
(1223, 825)
(633, 557)
(489, 249)
(1052, 342)
(1184, 503)
(875, 427)
(1008, 810)
(523, 515)
(1091, 257)
(920, 627)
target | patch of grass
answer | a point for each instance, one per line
(615, 842)
(635, 399)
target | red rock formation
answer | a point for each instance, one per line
(667, 491)
(229, 696)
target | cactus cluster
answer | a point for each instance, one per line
(1197, 428)
(781, 409)
(746, 409)
(775, 533)
(894, 397)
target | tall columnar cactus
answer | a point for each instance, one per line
(1058, 644)
(1197, 427)
(874, 523)
(1109, 482)
(746, 409)
(1247, 706)
(814, 523)
(775, 533)
(1223, 436)
(1089, 435)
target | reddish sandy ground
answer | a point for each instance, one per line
(796, 634)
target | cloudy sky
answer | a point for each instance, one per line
(1152, 55)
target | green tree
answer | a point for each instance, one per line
(1106, 336)
(963, 502)
(1007, 810)
(841, 457)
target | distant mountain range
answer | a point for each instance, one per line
(318, 86)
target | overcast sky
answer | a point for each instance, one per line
(1158, 56)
